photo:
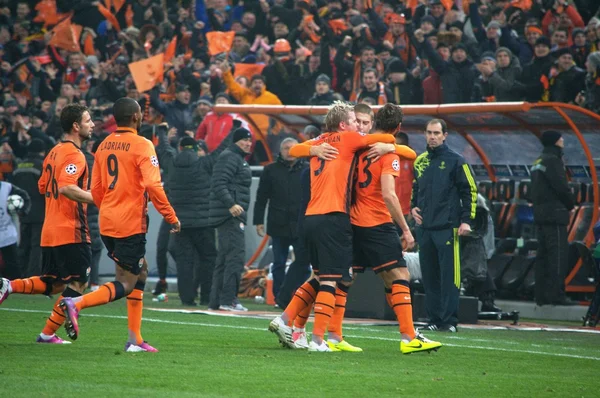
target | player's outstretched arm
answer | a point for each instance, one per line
(309, 149)
(378, 137)
(388, 189)
(77, 194)
(70, 176)
(149, 168)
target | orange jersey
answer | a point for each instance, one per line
(369, 208)
(331, 181)
(66, 220)
(125, 173)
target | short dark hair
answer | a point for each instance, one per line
(369, 70)
(366, 48)
(441, 122)
(389, 118)
(403, 137)
(124, 109)
(71, 113)
(258, 77)
(364, 109)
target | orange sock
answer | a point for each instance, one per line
(324, 306)
(335, 325)
(33, 285)
(302, 318)
(106, 293)
(403, 307)
(388, 297)
(56, 319)
(303, 298)
(135, 305)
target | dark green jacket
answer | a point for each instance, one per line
(444, 189)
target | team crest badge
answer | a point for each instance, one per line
(396, 165)
(154, 161)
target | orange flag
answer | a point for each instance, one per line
(148, 72)
(46, 12)
(524, 5)
(219, 42)
(448, 4)
(129, 16)
(88, 46)
(248, 70)
(170, 51)
(412, 4)
(118, 4)
(109, 17)
(66, 35)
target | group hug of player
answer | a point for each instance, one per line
(348, 227)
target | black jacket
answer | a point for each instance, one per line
(230, 185)
(26, 176)
(188, 178)
(457, 79)
(280, 186)
(177, 114)
(566, 85)
(444, 189)
(324, 99)
(529, 83)
(550, 193)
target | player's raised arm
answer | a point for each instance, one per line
(149, 167)
(75, 167)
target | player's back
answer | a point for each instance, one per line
(331, 180)
(118, 183)
(65, 221)
(369, 208)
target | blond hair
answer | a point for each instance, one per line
(338, 112)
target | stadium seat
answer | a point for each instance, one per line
(527, 289)
(503, 194)
(581, 223)
(584, 278)
(501, 258)
(518, 221)
(579, 191)
(514, 275)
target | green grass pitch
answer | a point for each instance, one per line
(211, 356)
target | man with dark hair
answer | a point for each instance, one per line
(188, 179)
(126, 174)
(279, 187)
(26, 176)
(229, 203)
(65, 241)
(178, 113)
(552, 202)
(373, 88)
(444, 199)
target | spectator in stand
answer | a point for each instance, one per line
(580, 48)
(566, 80)
(279, 187)
(255, 94)
(323, 93)
(8, 230)
(458, 74)
(216, 126)
(590, 98)
(457, 29)
(432, 84)
(26, 176)
(559, 40)
(177, 113)
(532, 84)
(7, 159)
(561, 15)
(404, 87)
(373, 88)
(502, 75)
(526, 49)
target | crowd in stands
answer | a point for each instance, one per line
(291, 52)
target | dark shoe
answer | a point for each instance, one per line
(189, 304)
(489, 306)
(160, 288)
(447, 328)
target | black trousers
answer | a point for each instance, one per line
(229, 264)
(10, 256)
(195, 253)
(30, 252)
(439, 255)
(551, 263)
(298, 272)
(162, 246)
